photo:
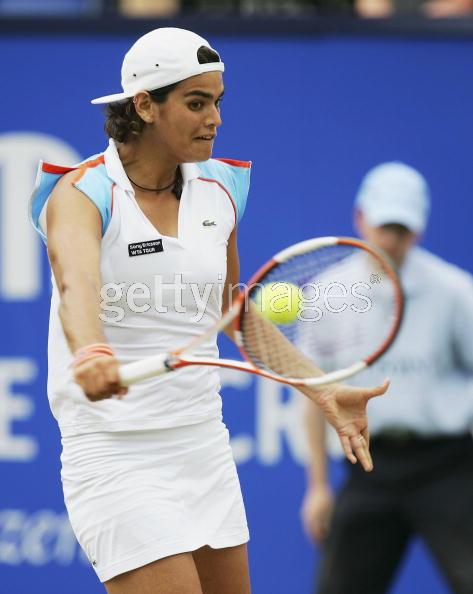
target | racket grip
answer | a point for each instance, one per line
(144, 369)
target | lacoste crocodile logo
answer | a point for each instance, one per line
(208, 223)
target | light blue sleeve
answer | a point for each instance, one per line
(234, 176)
(98, 187)
(94, 183)
(462, 311)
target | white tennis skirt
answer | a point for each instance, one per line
(137, 496)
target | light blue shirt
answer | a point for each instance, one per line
(430, 363)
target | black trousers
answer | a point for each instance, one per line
(418, 487)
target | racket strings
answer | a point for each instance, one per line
(346, 307)
(270, 349)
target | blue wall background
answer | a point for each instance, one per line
(313, 114)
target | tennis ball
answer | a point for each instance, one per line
(279, 302)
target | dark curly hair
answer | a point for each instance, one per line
(123, 123)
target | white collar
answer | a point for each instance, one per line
(117, 173)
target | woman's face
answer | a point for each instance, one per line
(185, 125)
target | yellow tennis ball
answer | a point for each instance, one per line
(279, 302)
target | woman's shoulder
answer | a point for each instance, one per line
(89, 177)
(233, 175)
(225, 167)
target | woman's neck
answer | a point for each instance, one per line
(147, 164)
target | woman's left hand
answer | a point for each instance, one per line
(344, 408)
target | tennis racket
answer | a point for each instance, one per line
(318, 312)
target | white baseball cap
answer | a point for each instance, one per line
(394, 193)
(161, 57)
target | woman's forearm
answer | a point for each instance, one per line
(79, 311)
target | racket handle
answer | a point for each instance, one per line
(144, 369)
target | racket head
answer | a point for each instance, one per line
(349, 310)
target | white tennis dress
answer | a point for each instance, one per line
(150, 475)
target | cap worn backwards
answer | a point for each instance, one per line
(394, 193)
(161, 57)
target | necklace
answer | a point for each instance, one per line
(157, 190)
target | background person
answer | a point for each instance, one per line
(422, 483)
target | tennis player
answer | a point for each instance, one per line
(135, 234)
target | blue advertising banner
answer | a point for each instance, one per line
(313, 114)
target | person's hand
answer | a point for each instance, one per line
(98, 377)
(316, 511)
(344, 408)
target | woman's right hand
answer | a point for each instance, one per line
(316, 512)
(99, 379)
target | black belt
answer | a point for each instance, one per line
(399, 436)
